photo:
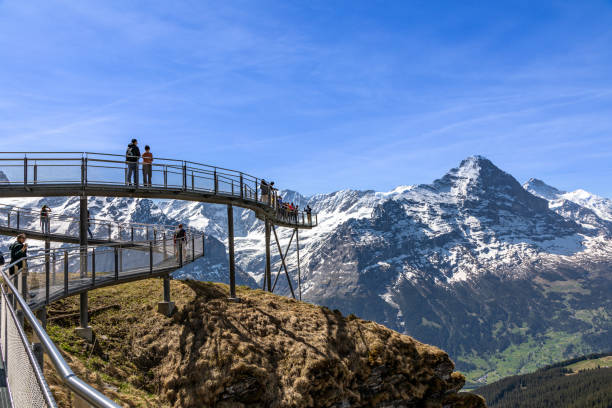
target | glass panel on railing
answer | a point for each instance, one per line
(55, 171)
(104, 263)
(103, 172)
(204, 181)
(36, 278)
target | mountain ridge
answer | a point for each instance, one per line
(490, 266)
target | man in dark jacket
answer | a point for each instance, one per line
(180, 241)
(131, 157)
(18, 251)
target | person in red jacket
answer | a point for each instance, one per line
(147, 166)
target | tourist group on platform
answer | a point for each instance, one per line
(268, 193)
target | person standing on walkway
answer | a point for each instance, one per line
(180, 241)
(45, 224)
(265, 191)
(132, 155)
(147, 166)
(18, 250)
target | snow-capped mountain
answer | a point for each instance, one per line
(474, 262)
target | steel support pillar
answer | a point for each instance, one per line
(84, 330)
(297, 245)
(167, 306)
(230, 244)
(268, 272)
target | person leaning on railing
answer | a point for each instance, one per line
(308, 214)
(19, 250)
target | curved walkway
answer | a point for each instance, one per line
(34, 174)
(63, 272)
(15, 220)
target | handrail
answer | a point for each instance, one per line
(185, 175)
(78, 386)
(144, 244)
(92, 220)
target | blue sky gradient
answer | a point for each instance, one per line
(318, 95)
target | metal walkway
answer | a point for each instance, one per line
(47, 174)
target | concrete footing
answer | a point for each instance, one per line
(85, 333)
(165, 308)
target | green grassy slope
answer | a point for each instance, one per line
(570, 384)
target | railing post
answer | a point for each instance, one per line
(241, 186)
(165, 176)
(25, 171)
(192, 248)
(93, 266)
(256, 187)
(184, 176)
(65, 273)
(35, 172)
(24, 280)
(116, 263)
(192, 181)
(216, 182)
(165, 249)
(8, 219)
(203, 244)
(147, 233)
(17, 219)
(155, 235)
(150, 257)
(232, 187)
(132, 233)
(109, 232)
(47, 268)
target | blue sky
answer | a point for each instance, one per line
(318, 95)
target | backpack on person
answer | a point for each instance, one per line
(130, 153)
(2, 261)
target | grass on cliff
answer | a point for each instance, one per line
(267, 350)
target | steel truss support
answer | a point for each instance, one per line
(297, 246)
(284, 265)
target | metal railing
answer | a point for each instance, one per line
(29, 220)
(87, 168)
(60, 272)
(25, 379)
(35, 281)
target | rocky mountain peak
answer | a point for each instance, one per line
(3, 177)
(539, 188)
